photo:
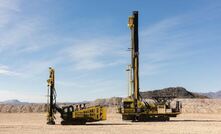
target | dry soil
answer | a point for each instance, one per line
(35, 123)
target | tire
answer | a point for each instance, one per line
(128, 117)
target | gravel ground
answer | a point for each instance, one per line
(35, 123)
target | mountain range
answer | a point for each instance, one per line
(176, 92)
(13, 101)
(213, 95)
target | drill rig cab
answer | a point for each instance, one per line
(71, 114)
(134, 107)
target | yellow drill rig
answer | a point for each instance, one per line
(72, 114)
(134, 107)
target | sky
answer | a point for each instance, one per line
(87, 42)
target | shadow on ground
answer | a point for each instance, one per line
(195, 121)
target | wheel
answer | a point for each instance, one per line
(128, 117)
(167, 118)
(164, 118)
(73, 122)
(51, 122)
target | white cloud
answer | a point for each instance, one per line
(166, 42)
(20, 33)
(7, 10)
(91, 88)
(9, 5)
(20, 95)
(90, 54)
(33, 69)
(4, 70)
(25, 36)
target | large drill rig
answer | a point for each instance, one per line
(134, 107)
(71, 114)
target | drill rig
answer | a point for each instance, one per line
(71, 114)
(134, 107)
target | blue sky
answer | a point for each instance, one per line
(86, 42)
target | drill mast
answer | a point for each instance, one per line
(133, 25)
(52, 97)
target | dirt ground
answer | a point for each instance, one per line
(35, 123)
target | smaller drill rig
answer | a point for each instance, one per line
(72, 114)
(134, 107)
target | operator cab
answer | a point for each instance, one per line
(67, 112)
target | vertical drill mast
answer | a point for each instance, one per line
(51, 85)
(133, 25)
(133, 108)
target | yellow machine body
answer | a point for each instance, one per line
(144, 112)
(94, 113)
(71, 114)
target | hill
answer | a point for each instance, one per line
(188, 99)
(13, 102)
(214, 95)
(177, 92)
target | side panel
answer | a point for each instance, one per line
(103, 113)
(95, 113)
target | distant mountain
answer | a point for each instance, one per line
(14, 102)
(80, 102)
(177, 92)
(189, 105)
(214, 95)
(113, 101)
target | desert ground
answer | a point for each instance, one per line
(35, 123)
